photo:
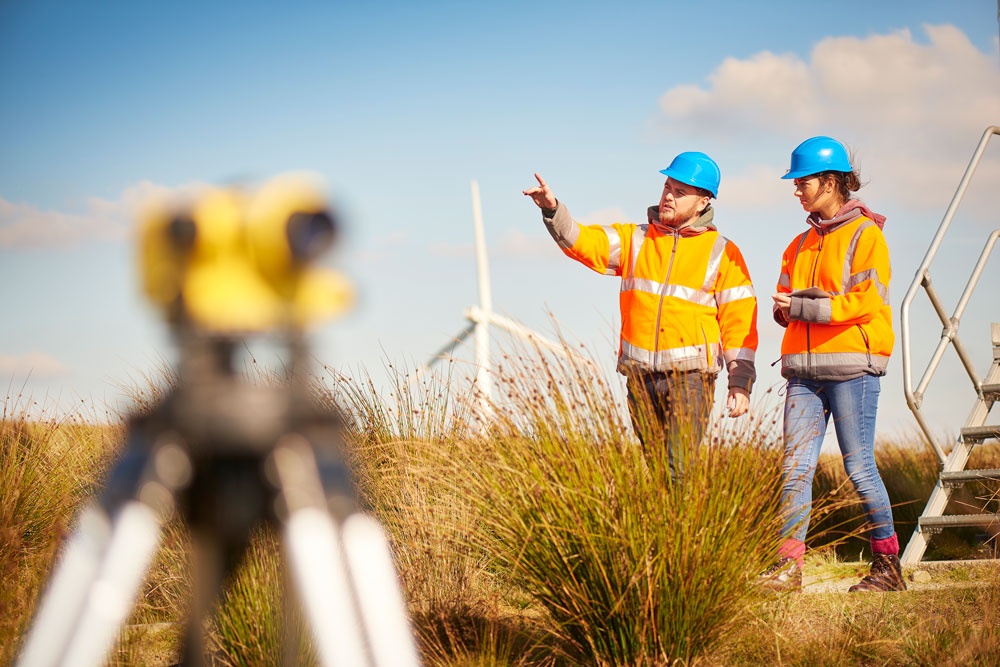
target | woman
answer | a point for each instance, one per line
(833, 300)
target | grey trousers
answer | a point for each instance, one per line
(671, 410)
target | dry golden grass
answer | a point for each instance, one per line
(549, 538)
(909, 471)
(955, 625)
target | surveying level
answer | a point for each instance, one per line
(233, 262)
(227, 454)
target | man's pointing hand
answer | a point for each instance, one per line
(541, 195)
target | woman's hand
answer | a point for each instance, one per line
(782, 303)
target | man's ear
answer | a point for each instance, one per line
(703, 204)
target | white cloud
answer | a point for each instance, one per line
(912, 113)
(756, 188)
(882, 82)
(24, 225)
(762, 88)
(33, 364)
(938, 91)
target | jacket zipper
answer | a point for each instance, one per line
(663, 289)
(868, 348)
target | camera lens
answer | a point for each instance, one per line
(181, 231)
(310, 234)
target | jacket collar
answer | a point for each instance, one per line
(850, 211)
(703, 223)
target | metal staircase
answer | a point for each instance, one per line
(976, 430)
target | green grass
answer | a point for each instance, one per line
(547, 536)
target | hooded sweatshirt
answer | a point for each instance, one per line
(840, 320)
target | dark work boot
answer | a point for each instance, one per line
(785, 576)
(885, 575)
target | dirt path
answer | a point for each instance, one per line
(838, 577)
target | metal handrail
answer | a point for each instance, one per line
(949, 335)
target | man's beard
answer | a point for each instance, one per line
(675, 220)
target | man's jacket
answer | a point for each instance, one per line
(840, 321)
(686, 300)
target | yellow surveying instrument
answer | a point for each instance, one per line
(228, 454)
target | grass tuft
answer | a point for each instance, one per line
(630, 568)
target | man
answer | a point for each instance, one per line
(687, 304)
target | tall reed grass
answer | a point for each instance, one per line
(400, 443)
(909, 470)
(47, 466)
(630, 567)
(541, 533)
(553, 505)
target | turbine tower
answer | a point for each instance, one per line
(481, 321)
(480, 318)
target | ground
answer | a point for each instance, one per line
(838, 577)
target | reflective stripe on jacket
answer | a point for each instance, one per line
(686, 299)
(846, 332)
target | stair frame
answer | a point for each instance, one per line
(953, 471)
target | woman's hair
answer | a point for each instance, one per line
(845, 181)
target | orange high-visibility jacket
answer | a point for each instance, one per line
(686, 299)
(843, 329)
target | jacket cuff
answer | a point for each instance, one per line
(742, 375)
(562, 228)
(778, 316)
(818, 311)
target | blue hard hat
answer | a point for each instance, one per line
(817, 155)
(695, 169)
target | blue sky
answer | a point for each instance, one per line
(398, 106)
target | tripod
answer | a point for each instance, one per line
(228, 455)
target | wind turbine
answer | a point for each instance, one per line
(480, 318)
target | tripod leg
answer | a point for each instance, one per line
(94, 588)
(379, 596)
(359, 595)
(316, 557)
(60, 606)
(321, 578)
(133, 544)
(207, 574)
(103, 565)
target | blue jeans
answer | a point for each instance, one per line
(671, 410)
(808, 407)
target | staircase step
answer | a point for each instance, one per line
(964, 476)
(991, 392)
(959, 520)
(980, 433)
